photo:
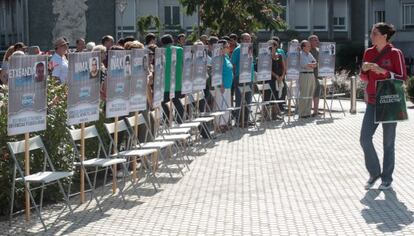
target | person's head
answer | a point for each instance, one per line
(198, 42)
(107, 41)
(246, 38)
(226, 45)
(294, 41)
(101, 49)
(150, 39)
(212, 40)
(166, 40)
(61, 46)
(89, 46)
(381, 33)
(129, 38)
(40, 71)
(8, 53)
(94, 65)
(133, 45)
(225, 37)
(33, 50)
(181, 39)
(314, 41)
(277, 39)
(80, 44)
(121, 42)
(274, 45)
(204, 39)
(117, 47)
(20, 47)
(305, 46)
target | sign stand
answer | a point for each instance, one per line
(290, 101)
(26, 173)
(115, 150)
(134, 161)
(243, 105)
(324, 97)
(82, 158)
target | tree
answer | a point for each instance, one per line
(235, 16)
(145, 22)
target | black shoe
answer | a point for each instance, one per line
(371, 181)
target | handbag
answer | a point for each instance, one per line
(390, 106)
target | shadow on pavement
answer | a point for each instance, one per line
(389, 214)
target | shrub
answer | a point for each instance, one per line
(410, 89)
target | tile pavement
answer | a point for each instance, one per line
(302, 179)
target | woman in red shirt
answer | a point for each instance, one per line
(378, 63)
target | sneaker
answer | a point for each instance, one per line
(371, 181)
(384, 186)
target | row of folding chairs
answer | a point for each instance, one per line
(166, 143)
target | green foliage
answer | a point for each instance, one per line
(145, 22)
(223, 17)
(410, 89)
(56, 142)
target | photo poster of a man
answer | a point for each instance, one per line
(27, 104)
(187, 86)
(173, 67)
(246, 63)
(138, 82)
(117, 97)
(217, 65)
(83, 87)
(158, 77)
(293, 61)
(326, 67)
(264, 62)
(200, 67)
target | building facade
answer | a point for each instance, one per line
(39, 22)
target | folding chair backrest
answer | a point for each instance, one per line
(90, 132)
(131, 120)
(122, 127)
(110, 127)
(18, 147)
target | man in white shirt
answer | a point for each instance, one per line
(59, 63)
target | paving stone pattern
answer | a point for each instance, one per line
(302, 179)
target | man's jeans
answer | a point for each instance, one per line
(371, 158)
(248, 99)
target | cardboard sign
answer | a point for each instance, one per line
(138, 87)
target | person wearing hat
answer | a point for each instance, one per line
(59, 63)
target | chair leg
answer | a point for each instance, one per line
(65, 196)
(12, 194)
(36, 208)
(92, 187)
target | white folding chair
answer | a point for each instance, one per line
(45, 177)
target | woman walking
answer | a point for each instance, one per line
(379, 62)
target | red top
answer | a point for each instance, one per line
(392, 61)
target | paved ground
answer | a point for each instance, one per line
(303, 179)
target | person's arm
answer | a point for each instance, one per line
(283, 64)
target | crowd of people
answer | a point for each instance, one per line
(227, 95)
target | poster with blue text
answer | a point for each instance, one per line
(217, 65)
(326, 63)
(200, 67)
(159, 77)
(83, 87)
(264, 62)
(27, 103)
(246, 63)
(293, 66)
(118, 83)
(187, 86)
(138, 87)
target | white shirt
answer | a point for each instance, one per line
(60, 66)
(305, 59)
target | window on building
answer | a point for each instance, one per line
(340, 12)
(302, 14)
(172, 15)
(320, 15)
(408, 16)
(379, 16)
